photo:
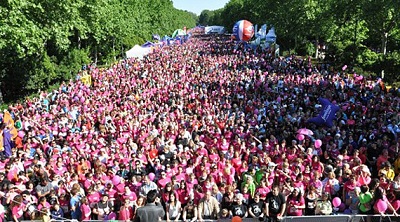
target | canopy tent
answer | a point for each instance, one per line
(178, 32)
(138, 52)
(148, 44)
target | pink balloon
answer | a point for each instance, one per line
(116, 180)
(151, 176)
(381, 206)
(344, 67)
(21, 134)
(317, 143)
(336, 202)
(300, 137)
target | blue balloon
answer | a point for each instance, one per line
(327, 114)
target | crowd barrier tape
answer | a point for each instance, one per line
(320, 218)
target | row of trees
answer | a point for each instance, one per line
(365, 33)
(43, 42)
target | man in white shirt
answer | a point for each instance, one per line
(147, 186)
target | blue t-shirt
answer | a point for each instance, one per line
(75, 201)
(57, 215)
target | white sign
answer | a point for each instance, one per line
(214, 29)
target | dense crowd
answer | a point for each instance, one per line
(214, 128)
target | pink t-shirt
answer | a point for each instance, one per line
(131, 196)
(292, 211)
(86, 212)
(18, 211)
(94, 197)
(163, 182)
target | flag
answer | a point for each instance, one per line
(262, 32)
(156, 37)
(8, 120)
(7, 142)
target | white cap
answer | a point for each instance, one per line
(271, 164)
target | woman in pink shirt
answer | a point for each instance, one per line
(129, 195)
(224, 146)
(191, 181)
(126, 212)
(295, 203)
(213, 156)
(92, 195)
(17, 208)
(364, 175)
(43, 203)
(85, 209)
(263, 189)
(183, 193)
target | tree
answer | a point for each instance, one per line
(43, 42)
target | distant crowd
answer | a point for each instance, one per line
(219, 131)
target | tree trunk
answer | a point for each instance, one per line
(113, 47)
(384, 43)
(95, 56)
(316, 48)
(384, 50)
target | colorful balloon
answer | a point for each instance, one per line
(317, 143)
(336, 202)
(243, 30)
(300, 137)
(21, 134)
(152, 176)
(236, 219)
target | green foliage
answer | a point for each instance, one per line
(43, 42)
(364, 33)
(392, 66)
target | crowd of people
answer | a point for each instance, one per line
(214, 129)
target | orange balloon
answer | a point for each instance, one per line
(237, 219)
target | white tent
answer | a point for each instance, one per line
(138, 52)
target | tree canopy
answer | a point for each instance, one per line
(43, 42)
(359, 33)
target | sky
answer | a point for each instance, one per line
(197, 6)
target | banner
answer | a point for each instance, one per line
(8, 120)
(262, 32)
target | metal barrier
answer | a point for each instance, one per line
(328, 218)
(320, 218)
(374, 218)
